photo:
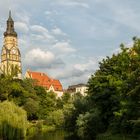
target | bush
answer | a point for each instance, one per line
(13, 121)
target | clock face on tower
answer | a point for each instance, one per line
(13, 51)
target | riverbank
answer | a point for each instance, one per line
(109, 136)
(39, 127)
(51, 132)
(64, 135)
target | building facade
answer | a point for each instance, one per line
(10, 54)
(79, 88)
(45, 81)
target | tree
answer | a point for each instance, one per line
(47, 104)
(76, 105)
(89, 125)
(32, 108)
(56, 118)
(5, 83)
(114, 89)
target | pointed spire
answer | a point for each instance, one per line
(10, 26)
(10, 17)
(9, 13)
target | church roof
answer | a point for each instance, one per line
(45, 81)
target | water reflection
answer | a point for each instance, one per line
(56, 135)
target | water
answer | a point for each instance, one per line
(55, 135)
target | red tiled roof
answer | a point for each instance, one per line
(45, 81)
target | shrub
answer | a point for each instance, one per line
(13, 121)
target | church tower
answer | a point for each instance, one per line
(10, 54)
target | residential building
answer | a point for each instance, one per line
(81, 88)
(45, 81)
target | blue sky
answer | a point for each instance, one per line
(67, 38)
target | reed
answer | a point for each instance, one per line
(13, 121)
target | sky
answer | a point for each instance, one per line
(66, 39)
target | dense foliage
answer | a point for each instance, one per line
(34, 99)
(115, 90)
(13, 121)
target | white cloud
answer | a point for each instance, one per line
(76, 73)
(58, 31)
(21, 27)
(42, 33)
(63, 47)
(39, 29)
(48, 13)
(37, 58)
(86, 66)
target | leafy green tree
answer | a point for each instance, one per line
(85, 123)
(28, 85)
(5, 87)
(40, 91)
(114, 89)
(61, 101)
(47, 104)
(66, 98)
(72, 109)
(32, 108)
(56, 118)
(69, 116)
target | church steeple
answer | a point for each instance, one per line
(10, 54)
(10, 31)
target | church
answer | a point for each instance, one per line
(11, 62)
(10, 54)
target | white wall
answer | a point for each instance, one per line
(82, 90)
